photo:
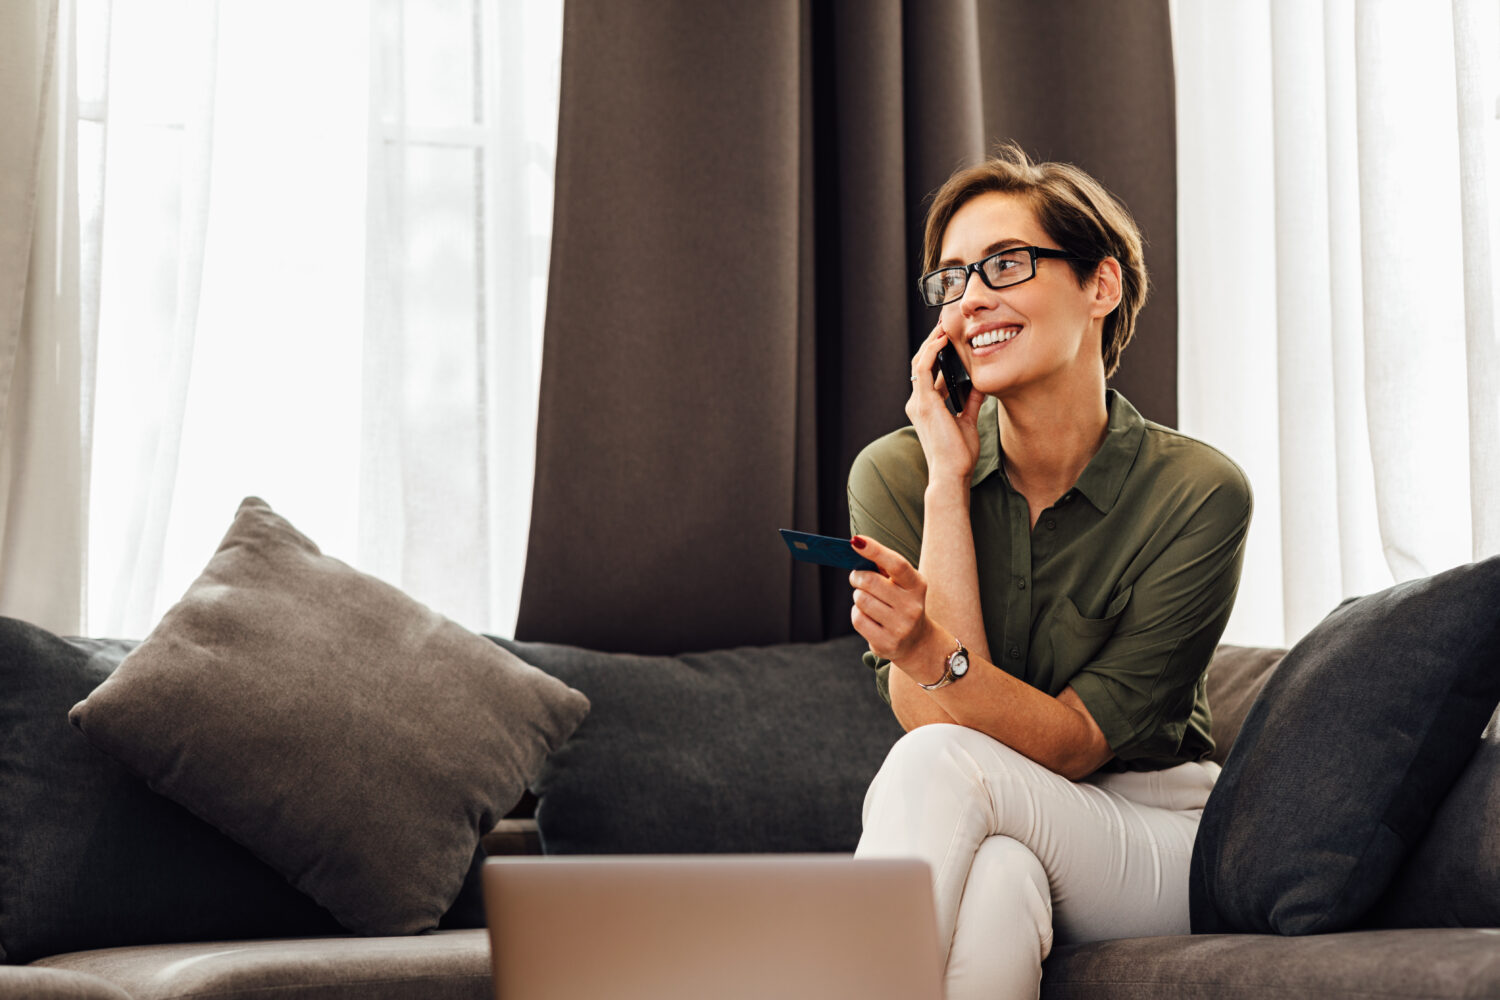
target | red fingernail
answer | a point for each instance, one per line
(857, 542)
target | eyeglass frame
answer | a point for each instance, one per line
(977, 267)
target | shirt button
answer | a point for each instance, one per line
(1014, 652)
(1051, 524)
(1021, 584)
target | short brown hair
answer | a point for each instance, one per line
(1074, 210)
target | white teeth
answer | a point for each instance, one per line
(994, 337)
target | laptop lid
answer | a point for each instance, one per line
(712, 926)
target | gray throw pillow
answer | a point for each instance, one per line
(89, 856)
(1345, 756)
(356, 741)
(733, 751)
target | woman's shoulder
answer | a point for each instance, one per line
(892, 462)
(1170, 456)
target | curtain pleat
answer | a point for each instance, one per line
(44, 442)
(732, 307)
(1476, 29)
(1409, 243)
(1304, 312)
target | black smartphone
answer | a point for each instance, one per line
(956, 376)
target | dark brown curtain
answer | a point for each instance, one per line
(732, 306)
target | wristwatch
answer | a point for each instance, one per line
(954, 667)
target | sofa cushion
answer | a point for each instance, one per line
(355, 740)
(1362, 965)
(1452, 878)
(1344, 757)
(1234, 680)
(740, 750)
(26, 983)
(89, 856)
(445, 965)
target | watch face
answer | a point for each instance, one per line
(959, 664)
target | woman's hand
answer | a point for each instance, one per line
(951, 445)
(890, 606)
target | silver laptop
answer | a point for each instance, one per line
(712, 927)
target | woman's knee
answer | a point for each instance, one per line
(949, 746)
(938, 768)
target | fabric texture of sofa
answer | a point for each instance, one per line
(753, 749)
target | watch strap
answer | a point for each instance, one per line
(948, 675)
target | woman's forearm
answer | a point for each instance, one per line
(913, 706)
(949, 566)
(1058, 733)
(952, 574)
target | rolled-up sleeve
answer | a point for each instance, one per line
(1141, 686)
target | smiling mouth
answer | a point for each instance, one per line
(991, 337)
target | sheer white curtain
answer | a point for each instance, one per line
(314, 242)
(461, 149)
(45, 332)
(1339, 211)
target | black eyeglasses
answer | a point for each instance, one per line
(999, 270)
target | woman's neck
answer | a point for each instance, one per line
(1048, 437)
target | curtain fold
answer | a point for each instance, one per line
(1410, 243)
(732, 303)
(44, 354)
(1476, 34)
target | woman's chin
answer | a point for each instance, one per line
(993, 382)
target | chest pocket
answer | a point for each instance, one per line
(1066, 641)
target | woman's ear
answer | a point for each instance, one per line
(1106, 287)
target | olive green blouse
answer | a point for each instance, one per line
(1122, 589)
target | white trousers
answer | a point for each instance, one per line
(1020, 854)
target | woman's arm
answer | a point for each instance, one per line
(947, 560)
(889, 611)
(1136, 693)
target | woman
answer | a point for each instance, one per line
(1054, 574)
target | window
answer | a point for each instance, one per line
(321, 241)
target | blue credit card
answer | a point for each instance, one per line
(825, 550)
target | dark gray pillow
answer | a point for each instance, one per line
(353, 739)
(1452, 878)
(741, 750)
(89, 856)
(1343, 759)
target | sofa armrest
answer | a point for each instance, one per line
(24, 982)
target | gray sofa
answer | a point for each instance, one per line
(759, 749)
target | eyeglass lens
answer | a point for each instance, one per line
(1008, 267)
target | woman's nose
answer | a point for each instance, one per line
(977, 295)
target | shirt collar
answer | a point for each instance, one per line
(988, 461)
(1104, 476)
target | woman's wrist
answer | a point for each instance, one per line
(927, 660)
(946, 490)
